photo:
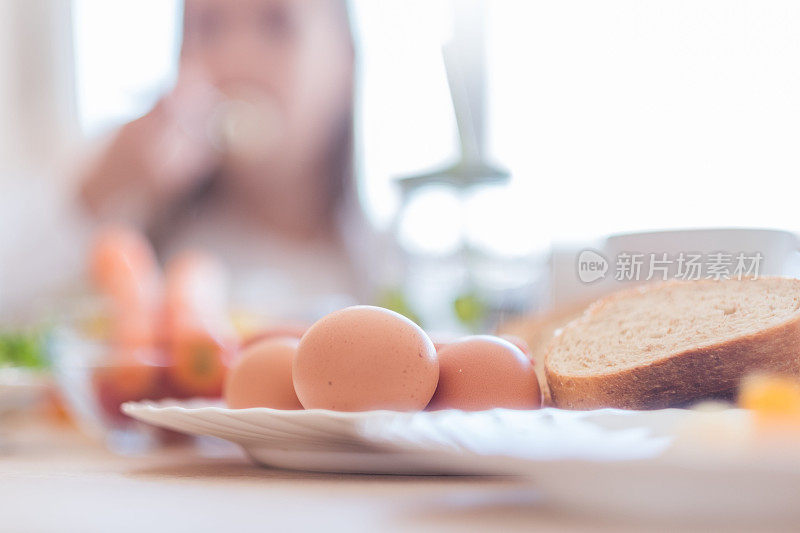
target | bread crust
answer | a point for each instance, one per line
(707, 371)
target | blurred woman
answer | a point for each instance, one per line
(250, 155)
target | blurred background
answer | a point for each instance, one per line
(181, 177)
(424, 155)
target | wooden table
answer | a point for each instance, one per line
(52, 478)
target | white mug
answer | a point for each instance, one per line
(582, 273)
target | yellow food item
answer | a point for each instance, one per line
(771, 396)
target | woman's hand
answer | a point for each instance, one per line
(156, 159)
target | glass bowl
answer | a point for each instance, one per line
(93, 386)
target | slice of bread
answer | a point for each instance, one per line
(672, 343)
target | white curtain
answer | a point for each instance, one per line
(38, 134)
(37, 99)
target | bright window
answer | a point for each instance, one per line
(612, 116)
(125, 57)
(628, 115)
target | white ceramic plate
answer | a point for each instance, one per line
(443, 442)
(672, 464)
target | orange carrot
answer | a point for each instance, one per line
(199, 334)
(123, 268)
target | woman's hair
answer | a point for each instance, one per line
(341, 185)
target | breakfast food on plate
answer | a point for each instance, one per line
(262, 376)
(198, 330)
(537, 331)
(484, 372)
(364, 358)
(673, 343)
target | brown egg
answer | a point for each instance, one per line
(262, 376)
(287, 329)
(484, 372)
(364, 358)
